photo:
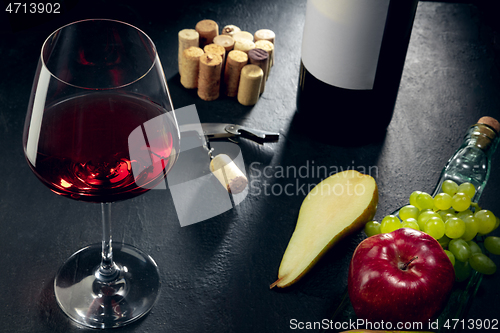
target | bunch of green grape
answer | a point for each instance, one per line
(455, 221)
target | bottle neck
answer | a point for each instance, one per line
(481, 136)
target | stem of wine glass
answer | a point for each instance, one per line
(107, 270)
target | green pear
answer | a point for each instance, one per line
(338, 206)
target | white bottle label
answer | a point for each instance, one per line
(342, 39)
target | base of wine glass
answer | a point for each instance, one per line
(100, 304)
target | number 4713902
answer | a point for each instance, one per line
(471, 324)
(33, 8)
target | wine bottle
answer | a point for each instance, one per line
(352, 58)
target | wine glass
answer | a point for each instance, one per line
(100, 128)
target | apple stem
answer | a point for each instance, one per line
(405, 266)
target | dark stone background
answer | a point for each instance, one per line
(216, 273)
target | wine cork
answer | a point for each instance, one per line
(228, 174)
(230, 30)
(209, 76)
(190, 67)
(485, 135)
(226, 41)
(269, 48)
(244, 45)
(260, 58)
(249, 88)
(242, 35)
(216, 49)
(187, 38)
(492, 122)
(266, 34)
(208, 30)
(234, 63)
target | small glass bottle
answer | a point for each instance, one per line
(471, 162)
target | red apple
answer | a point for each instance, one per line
(402, 276)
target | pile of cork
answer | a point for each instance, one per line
(235, 63)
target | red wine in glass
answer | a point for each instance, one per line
(80, 156)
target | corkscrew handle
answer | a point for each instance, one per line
(214, 131)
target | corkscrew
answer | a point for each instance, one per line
(221, 165)
(215, 131)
